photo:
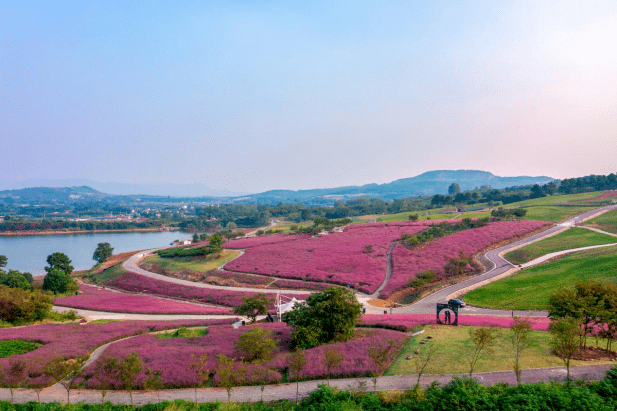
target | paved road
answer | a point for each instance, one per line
(91, 315)
(500, 267)
(288, 391)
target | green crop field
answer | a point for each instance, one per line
(530, 288)
(554, 214)
(452, 346)
(9, 348)
(572, 238)
(200, 263)
(606, 222)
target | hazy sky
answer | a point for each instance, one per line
(255, 95)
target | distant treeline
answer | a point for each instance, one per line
(51, 225)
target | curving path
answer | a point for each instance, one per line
(92, 315)
(501, 267)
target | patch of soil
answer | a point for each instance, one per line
(594, 354)
(378, 302)
(114, 260)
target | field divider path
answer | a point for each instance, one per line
(92, 315)
(288, 390)
(132, 264)
(501, 266)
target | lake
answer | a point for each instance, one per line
(29, 253)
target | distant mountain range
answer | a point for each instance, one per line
(153, 189)
(429, 183)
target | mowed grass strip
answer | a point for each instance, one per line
(554, 214)
(556, 199)
(452, 345)
(572, 238)
(200, 263)
(8, 348)
(606, 222)
(531, 288)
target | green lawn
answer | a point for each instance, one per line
(201, 263)
(572, 238)
(554, 214)
(9, 348)
(452, 346)
(553, 200)
(606, 222)
(530, 289)
(107, 276)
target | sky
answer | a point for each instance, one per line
(250, 96)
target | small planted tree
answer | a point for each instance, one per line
(483, 340)
(297, 362)
(253, 306)
(332, 358)
(565, 340)
(104, 372)
(230, 373)
(153, 382)
(200, 367)
(521, 329)
(126, 371)
(422, 359)
(65, 372)
(380, 352)
(36, 373)
(15, 375)
(260, 375)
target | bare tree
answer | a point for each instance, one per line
(380, 353)
(35, 372)
(105, 371)
(422, 359)
(332, 358)
(521, 329)
(483, 340)
(65, 372)
(297, 362)
(15, 375)
(201, 370)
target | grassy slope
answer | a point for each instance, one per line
(200, 264)
(572, 238)
(452, 344)
(606, 222)
(108, 275)
(530, 289)
(9, 348)
(555, 200)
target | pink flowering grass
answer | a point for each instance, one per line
(406, 264)
(338, 258)
(173, 356)
(94, 298)
(256, 280)
(142, 284)
(407, 322)
(75, 340)
(264, 240)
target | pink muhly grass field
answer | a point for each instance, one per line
(407, 322)
(406, 264)
(75, 340)
(142, 284)
(264, 240)
(173, 356)
(94, 298)
(338, 258)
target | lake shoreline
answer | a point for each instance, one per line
(64, 232)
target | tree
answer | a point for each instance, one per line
(153, 382)
(65, 372)
(260, 374)
(57, 281)
(3, 261)
(454, 189)
(380, 352)
(202, 371)
(297, 362)
(15, 374)
(413, 217)
(306, 215)
(253, 306)
(332, 358)
(256, 344)
(216, 242)
(104, 371)
(15, 279)
(325, 316)
(34, 372)
(103, 252)
(230, 374)
(126, 370)
(565, 340)
(195, 238)
(422, 359)
(521, 329)
(59, 261)
(483, 340)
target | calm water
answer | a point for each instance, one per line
(29, 253)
